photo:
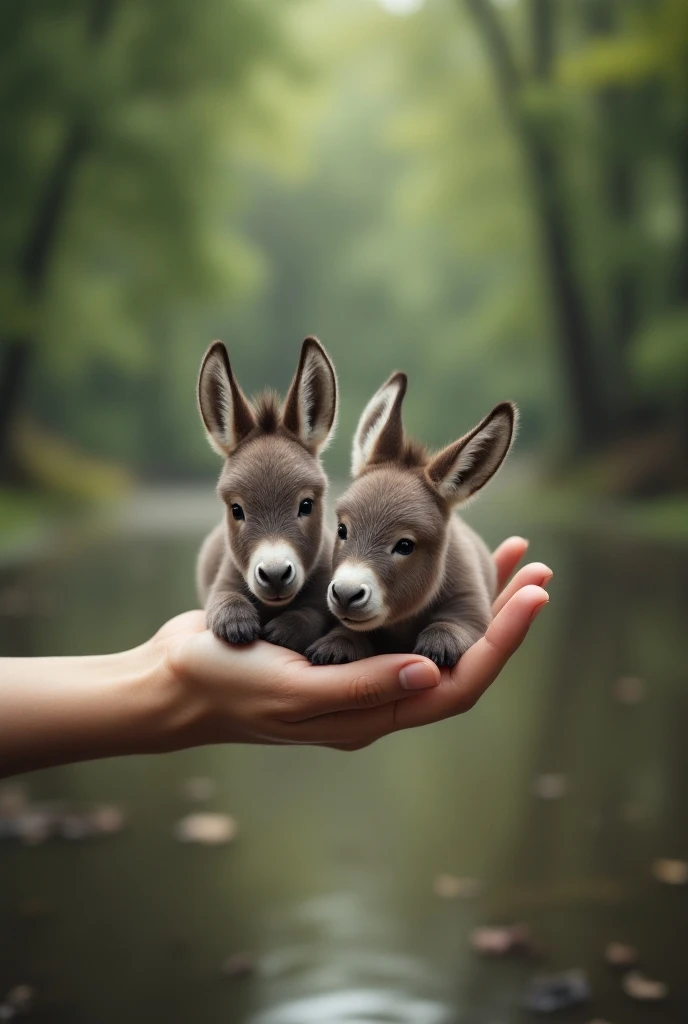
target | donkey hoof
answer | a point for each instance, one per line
(440, 646)
(236, 626)
(333, 651)
(288, 631)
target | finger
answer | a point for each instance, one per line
(193, 621)
(535, 572)
(344, 730)
(461, 687)
(507, 556)
(317, 690)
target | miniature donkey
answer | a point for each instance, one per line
(271, 551)
(409, 575)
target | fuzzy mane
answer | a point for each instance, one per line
(413, 454)
(266, 408)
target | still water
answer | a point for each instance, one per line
(330, 882)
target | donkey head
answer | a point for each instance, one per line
(272, 482)
(394, 518)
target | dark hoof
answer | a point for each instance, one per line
(440, 646)
(236, 626)
(332, 651)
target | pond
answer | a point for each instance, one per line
(329, 884)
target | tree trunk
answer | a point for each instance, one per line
(620, 192)
(572, 318)
(680, 288)
(14, 362)
(17, 352)
(589, 412)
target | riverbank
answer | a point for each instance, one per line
(30, 520)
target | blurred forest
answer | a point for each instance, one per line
(489, 194)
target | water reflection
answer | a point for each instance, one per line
(330, 884)
(337, 950)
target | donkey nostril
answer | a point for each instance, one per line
(335, 595)
(358, 597)
(288, 573)
(262, 575)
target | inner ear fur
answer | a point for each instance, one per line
(379, 435)
(310, 408)
(462, 468)
(226, 412)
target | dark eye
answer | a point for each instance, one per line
(403, 547)
(306, 507)
(238, 512)
(341, 531)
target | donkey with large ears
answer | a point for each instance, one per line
(271, 551)
(408, 574)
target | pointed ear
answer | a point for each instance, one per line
(465, 466)
(380, 433)
(310, 408)
(225, 410)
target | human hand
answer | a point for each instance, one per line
(262, 693)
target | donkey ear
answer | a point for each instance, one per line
(465, 466)
(225, 410)
(310, 408)
(380, 433)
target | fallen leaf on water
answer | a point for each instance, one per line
(108, 819)
(239, 965)
(618, 954)
(451, 887)
(628, 690)
(13, 799)
(633, 813)
(637, 986)
(208, 829)
(551, 786)
(549, 993)
(199, 788)
(670, 872)
(20, 997)
(498, 940)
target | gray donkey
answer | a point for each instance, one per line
(271, 552)
(408, 574)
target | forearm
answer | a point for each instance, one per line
(60, 710)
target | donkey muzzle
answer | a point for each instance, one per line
(275, 578)
(351, 598)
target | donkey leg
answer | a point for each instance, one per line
(339, 646)
(232, 617)
(296, 629)
(445, 642)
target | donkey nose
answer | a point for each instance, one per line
(349, 596)
(277, 575)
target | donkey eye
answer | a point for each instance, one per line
(238, 512)
(306, 507)
(341, 531)
(403, 547)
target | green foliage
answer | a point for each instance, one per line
(260, 171)
(660, 357)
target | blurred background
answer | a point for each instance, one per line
(493, 196)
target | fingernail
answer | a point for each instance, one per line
(417, 676)
(538, 610)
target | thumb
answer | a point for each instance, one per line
(363, 684)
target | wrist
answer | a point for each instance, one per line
(166, 709)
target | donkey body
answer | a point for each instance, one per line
(409, 574)
(264, 570)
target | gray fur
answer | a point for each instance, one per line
(271, 465)
(436, 601)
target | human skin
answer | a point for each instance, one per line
(185, 688)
